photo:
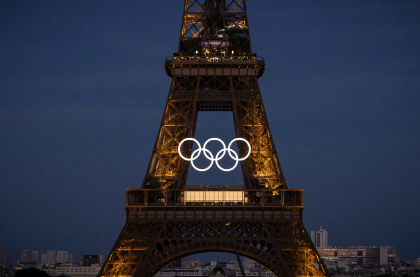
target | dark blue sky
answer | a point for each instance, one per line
(82, 92)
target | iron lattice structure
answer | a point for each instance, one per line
(214, 70)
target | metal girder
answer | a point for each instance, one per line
(203, 21)
(214, 70)
(145, 246)
(187, 96)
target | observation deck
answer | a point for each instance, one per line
(214, 202)
(215, 65)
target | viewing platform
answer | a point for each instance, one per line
(218, 202)
(218, 196)
(208, 65)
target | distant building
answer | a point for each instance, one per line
(320, 237)
(51, 257)
(79, 271)
(88, 260)
(62, 257)
(44, 259)
(35, 257)
(416, 262)
(357, 255)
(4, 256)
(190, 263)
(27, 259)
(26, 256)
(70, 259)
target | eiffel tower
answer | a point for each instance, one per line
(214, 70)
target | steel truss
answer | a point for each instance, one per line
(187, 96)
(214, 70)
(267, 228)
(144, 248)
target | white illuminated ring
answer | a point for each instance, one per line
(209, 155)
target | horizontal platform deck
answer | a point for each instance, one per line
(217, 197)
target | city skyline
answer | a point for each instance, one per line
(348, 261)
(319, 237)
(79, 81)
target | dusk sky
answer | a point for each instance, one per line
(82, 93)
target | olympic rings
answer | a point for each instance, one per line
(209, 155)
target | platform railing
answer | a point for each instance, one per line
(214, 197)
(214, 59)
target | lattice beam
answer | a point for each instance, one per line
(215, 70)
(223, 24)
(144, 248)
